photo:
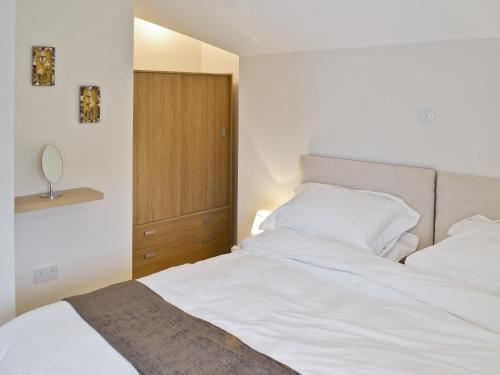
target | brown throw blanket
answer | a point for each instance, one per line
(158, 338)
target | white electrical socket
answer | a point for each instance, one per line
(43, 274)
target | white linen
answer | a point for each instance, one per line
(404, 246)
(474, 222)
(54, 340)
(316, 306)
(365, 219)
(469, 258)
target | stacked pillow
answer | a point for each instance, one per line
(470, 256)
(474, 222)
(374, 222)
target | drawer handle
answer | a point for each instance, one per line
(206, 220)
(206, 240)
(149, 233)
(149, 255)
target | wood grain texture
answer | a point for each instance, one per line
(152, 234)
(157, 140)
(182, 168)
(186, 239)
(229, 75)
(72, 196)
(206, 149)
(222, 150)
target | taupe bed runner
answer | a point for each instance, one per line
(158, 338)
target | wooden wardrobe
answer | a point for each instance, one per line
(182, 169)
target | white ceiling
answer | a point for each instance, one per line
(252, 27)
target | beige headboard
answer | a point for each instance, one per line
(416, 186)
(459, 196)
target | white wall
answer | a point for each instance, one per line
(7, 278)
(158, 48)
(217, 60)
(90, 242)
(362, 104)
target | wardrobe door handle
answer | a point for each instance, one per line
(149, 255)
(149, 233)
(206, 240)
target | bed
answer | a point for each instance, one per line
(309, 304)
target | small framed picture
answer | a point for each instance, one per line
(43, 62)
(90, 104)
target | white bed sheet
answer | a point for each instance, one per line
(316, 306)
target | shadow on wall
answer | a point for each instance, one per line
(267, 177)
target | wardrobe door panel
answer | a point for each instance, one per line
(206, 142)
(198, 119)
(196, 143)
(221, 152)
(157, 146)
(166, 139)
(142, 204)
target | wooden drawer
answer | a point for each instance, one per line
(148, 235)
(183, 240)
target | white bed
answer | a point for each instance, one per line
(346, 313)
(318, 306)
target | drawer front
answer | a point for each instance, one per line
(173, 229)
(193, 242)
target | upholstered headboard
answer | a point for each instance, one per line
(416, 186)
(459, 196)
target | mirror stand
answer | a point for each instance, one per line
(51, 194)
(52, 166)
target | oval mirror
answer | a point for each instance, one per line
(52, 164)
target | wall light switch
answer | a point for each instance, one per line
(426, 116)
(43, 274)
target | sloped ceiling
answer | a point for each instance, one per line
(253, 27)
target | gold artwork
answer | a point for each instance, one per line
(43, 66)
(90, 104)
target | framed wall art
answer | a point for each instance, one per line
(90, 104)
(43, 62)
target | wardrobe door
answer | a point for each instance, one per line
(221, 183)
(157, 146)
(206, 110)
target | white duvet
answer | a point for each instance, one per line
(314, 305)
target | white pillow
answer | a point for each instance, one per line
(360, 218)
(406, 245)
(474, 222)
(470, 258)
